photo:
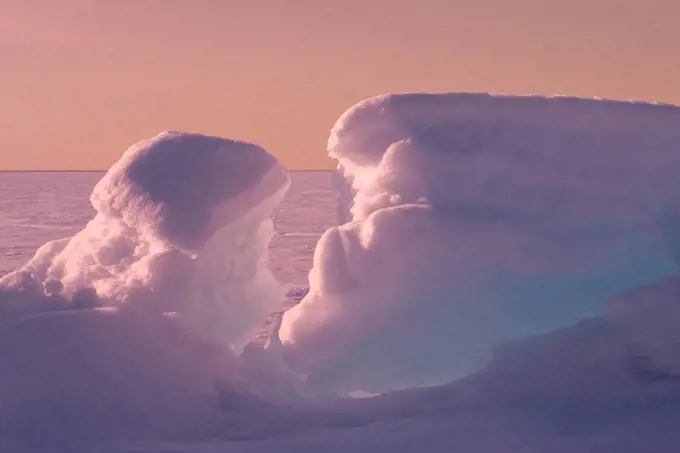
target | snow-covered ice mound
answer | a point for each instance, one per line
(182, 225)
(478, 218)
(129, 328)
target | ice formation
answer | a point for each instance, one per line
(466, 220)
(182, 225)
(479, 218)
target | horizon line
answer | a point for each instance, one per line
(104, 171)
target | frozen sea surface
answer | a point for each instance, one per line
(38, 207)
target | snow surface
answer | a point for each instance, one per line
(479, 218)
(104, 374)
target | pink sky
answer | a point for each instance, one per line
(82, 79)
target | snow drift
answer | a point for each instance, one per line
(478, 218)
(182, 225)
(609, 384)
(106, 374)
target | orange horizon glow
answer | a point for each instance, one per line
(81, 80)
